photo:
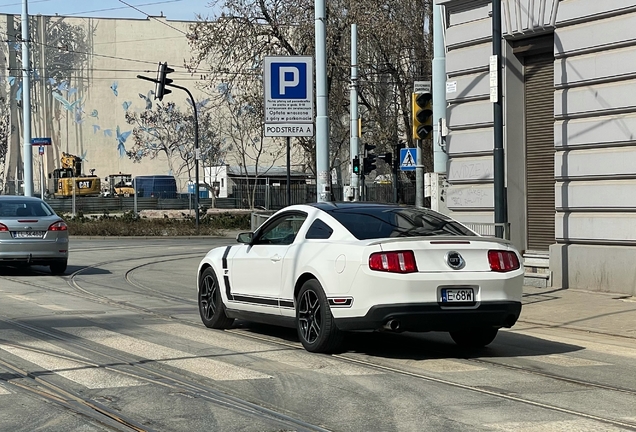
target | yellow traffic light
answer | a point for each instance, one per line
(422, 114)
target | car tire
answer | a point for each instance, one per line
(315, 324)
(58, 268)
(475, 338)
(211, 307)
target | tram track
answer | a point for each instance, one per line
(494, 364)
(142, 370)
(352, 359)
(29, 383)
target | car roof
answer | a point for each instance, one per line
(18, 198)
(355, 205)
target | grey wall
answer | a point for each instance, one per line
(470, 112)
(595, 137)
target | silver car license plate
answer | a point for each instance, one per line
(458, 295)
(28, 234)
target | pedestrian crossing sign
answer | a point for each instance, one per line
(407, 159)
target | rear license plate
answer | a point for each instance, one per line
(29, 234)
(458, 295)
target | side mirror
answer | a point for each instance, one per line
(245, 237)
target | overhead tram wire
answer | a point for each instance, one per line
(153, 17)
(118, 8)
(198, 71)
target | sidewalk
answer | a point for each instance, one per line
(612, 314)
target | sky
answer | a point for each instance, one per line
(177, 10)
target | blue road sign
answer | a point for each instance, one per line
(289, 106)
(289, 80)
(408, 158)
(41, 141)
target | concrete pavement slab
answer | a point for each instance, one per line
(606, 313)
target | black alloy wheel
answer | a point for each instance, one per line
(211, 306)
(314, 322)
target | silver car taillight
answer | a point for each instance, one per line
(3, 227)
(58, 226)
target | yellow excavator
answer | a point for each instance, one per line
(120, 185)
(71, 174)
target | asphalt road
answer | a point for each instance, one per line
(117, 344)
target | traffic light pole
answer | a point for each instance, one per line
(27, 148)
(419, 175)
(196, 146)
(354, 144)
(499, 169)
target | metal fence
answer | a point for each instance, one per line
(490, 229)
(275, 197)
(100, 205)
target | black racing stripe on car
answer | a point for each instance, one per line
(228, 290)
(256, 300)
(225, 254)
(286, 303)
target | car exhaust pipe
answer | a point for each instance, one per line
(392, 325)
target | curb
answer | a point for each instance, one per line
(188, 237)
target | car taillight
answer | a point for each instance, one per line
(58, 226)
(503, 261)
(393, 262)
(3, 227)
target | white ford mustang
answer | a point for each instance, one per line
(326, 268)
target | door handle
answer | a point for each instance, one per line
(276, 258)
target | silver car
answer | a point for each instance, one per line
(32, 233)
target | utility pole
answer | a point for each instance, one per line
(323, 191)
(501, 211)
(27, 150)
(354, 144)
(440, 158)
(288, 188)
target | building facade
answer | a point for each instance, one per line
(569, 76)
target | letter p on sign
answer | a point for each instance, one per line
(291, 82)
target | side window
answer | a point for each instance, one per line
(319, 231)
(283, 230)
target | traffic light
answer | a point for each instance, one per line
(422, 113)
(163, 80)
(368, 164)
(386, 157)
(356, 165)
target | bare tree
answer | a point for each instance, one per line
(5, 133)
(167, 130)
(241, 125)
(394, 51)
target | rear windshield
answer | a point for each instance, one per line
(20, 208)
(384, 222)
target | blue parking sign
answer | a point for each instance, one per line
(289, 80)
(288, 84)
